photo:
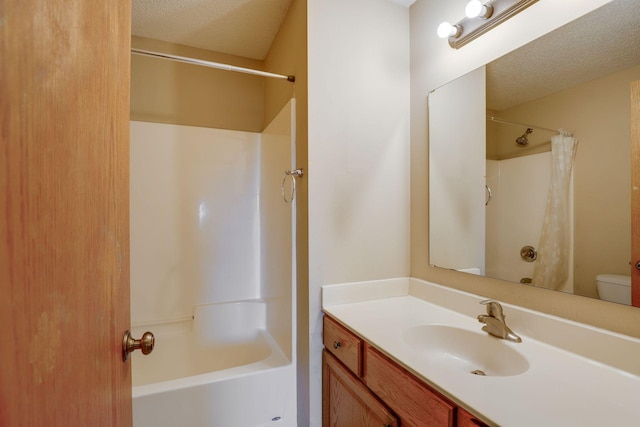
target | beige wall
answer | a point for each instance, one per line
(598, 114)
(501, 139)
(165, 91)
(358, 152)
(433, 63)
(288, 55)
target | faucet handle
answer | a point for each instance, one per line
(493, 308)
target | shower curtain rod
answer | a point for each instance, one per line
(499, 120)
(210, 64)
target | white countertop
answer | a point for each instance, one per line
(594, 381)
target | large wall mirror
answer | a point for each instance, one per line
(530, 160)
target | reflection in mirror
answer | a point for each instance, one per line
(491, 159)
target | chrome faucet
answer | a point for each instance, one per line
(494, 323)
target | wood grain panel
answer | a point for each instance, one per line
(64, 212)
(346, 402)
(465, 419)
(415, 403)
(635, 192)
(346, 346)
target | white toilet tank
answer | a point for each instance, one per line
(614, 288)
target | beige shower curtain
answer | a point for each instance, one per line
(552, 265)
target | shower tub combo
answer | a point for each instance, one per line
(212, 273)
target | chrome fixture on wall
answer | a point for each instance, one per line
(293, 174)
(528, 253)
(524, 140)
(494, 322)
(480, 17)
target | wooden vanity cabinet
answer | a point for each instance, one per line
(363, 387)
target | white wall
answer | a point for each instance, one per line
(358, 152)
(457, 194)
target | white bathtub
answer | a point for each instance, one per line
(222, 368)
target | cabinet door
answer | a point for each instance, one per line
(346, 402)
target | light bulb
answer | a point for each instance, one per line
(475, 9)
(447, 30)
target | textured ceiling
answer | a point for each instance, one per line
(238, 27)
(602, 42)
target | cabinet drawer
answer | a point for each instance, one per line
(415, 403)
(465, 419)
(346, 346)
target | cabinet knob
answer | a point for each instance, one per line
(337, 345)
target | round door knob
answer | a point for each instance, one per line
(130, 344)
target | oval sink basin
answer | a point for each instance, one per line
(466, 351)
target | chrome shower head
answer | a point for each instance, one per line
(523, 140)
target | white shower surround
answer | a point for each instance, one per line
(212, 274)
(195, 222)
(515, 214)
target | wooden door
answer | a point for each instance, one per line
(635, 192)
(64, 212)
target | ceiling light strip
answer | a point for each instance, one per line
(210, 64)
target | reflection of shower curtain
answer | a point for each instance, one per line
(552, 266)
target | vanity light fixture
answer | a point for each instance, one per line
(480, 18)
